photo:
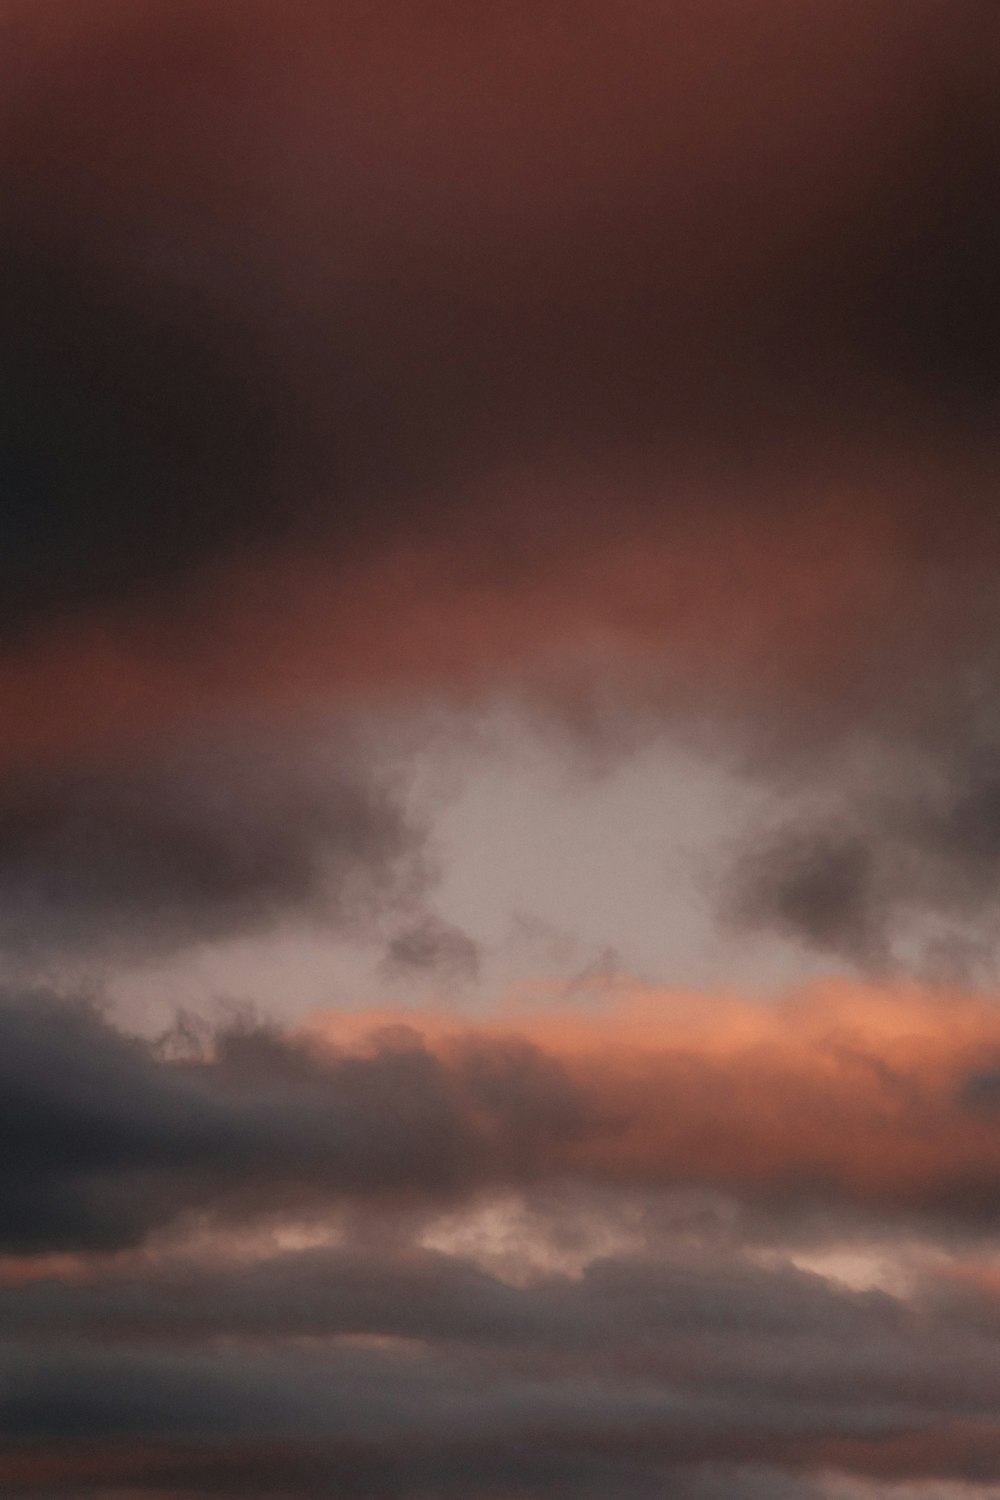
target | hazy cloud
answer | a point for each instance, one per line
(434, 948)
(222, 837)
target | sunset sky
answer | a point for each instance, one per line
(500, 750)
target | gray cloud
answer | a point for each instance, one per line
(107, 1140)
(817, 886)
(903, 874)
(675, 1370)
(620, 1308)
(112, 1137)
(211, 839)
(434, 948)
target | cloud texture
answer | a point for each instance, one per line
(370, 373)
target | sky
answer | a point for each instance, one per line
(499, 750)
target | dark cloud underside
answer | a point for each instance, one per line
(265, 275)
(221, 837)
(115, 1138)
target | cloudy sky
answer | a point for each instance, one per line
(500, 750)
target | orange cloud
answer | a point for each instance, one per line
(843, 1092)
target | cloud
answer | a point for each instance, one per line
(436, 948)
(816, 886)
(850, 1103)
(422, 1375)
(620, 1306)
(229, 834)
(902, 872)
(328, 327)
(114, 1140)
(141, 435)
(641, 359)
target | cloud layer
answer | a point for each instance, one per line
(305, 322)
(862, 1102)
(634, 368)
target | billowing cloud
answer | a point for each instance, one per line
(861, 1102)
(114, 1140)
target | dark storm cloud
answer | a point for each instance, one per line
(620, 1309)
(109, 1138)
(646, 1372)
(154, 425)
(169, 402)
(932, 302)
(717, 1338)
(139, 433)
(282, 276)
(105, 1139)
(222, 837)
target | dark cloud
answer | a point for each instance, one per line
(906, 874)
(672, 331)
(434, 948)
(980, 1090)
(652, 1371)
(619, 1307)
(112, 1137)
(223, 837)
(931, 302)
(109, 1140)
(140, 433)
(559, 1466)
(281, 280)
(816, 887)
